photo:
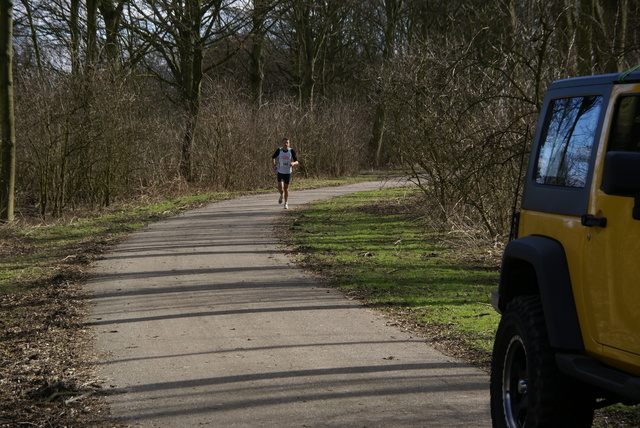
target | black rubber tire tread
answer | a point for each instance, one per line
(553, 399)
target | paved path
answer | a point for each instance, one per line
(204, 322)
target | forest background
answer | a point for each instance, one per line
(119, 100)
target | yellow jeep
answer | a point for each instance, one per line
(569, 293)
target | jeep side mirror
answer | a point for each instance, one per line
(621, 174)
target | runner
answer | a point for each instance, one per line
(283, 161)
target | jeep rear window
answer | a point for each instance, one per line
(563, 159)
(625, 131)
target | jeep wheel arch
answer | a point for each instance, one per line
(538, 265)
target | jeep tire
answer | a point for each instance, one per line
(526, 387)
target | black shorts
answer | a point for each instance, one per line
(286, 178)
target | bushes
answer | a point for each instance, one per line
(86, 144)
(235, 141)
(462, 136)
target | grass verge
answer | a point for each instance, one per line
(435, 284)
(371, 246)
(33, 254)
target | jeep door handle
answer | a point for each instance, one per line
(589, 220)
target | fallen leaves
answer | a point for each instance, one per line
(47, 370)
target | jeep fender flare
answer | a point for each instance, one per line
(538, 265)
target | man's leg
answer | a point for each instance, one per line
(281, 190)
(285, 189)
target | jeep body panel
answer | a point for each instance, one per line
(580, 197)
(611, 268)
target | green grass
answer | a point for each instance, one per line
(382, 254)
(40, 252)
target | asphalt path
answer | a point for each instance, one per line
(204, 321)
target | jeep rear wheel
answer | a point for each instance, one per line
(527, 390)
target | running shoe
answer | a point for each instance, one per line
(280, 200)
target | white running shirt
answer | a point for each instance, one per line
(284, 160)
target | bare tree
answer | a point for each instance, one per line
(610, 37)
(33, 35)
(91, 54)
(7, 126)
(257, 58)
(75, 35)
(180, 35)
(112, 14)
(453, 82)
(391, 14)
(309, 41)
(310, 35)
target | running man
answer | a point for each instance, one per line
(283, 161)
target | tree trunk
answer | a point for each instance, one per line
(256, 72)
(306, 54)
(74, 29)
(584, 37)
(192, 73)
(620, 45)
(392, 14)
(568, 37)
(92, 36)
(377, 137)
(610, 35)
(34, 36)
(111, 15)
(7, 128)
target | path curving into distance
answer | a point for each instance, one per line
(203, 321)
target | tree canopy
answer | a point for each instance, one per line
(119, 99)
